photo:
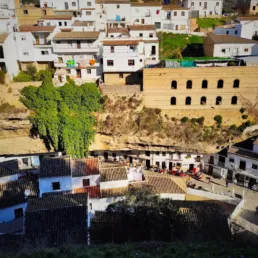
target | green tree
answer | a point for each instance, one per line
(63, 116)
(31, 69)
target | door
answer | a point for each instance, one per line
(242, 165)
(176, 27)
(37, 39)
(170, 165)
(130, 160)
(158, 25)
(78, 44)
(210, 169)
(142, 21)
(157, 163)
(153, 50)
(164, 165)
(78, 72)
(148, 163)
(191, 167)
(106, 155)
(235, 52)
(66, 6)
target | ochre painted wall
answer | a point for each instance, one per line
(128, 79)
(158, 91)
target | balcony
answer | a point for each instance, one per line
(87, 48)
(78, 64)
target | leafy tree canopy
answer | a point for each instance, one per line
(63, 116)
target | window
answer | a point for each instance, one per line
(140, 60)
(164, 154)
(242, 165)
(85, 182)
(204, 84)
(227, 32)
(60, 23)
(18, 213)
(175, 13)
(200, 3)
(88, 3)
(246, 49)
(189, 84)
(153, 50)
(118, 6)
(173, 101)
(151, 35)
(235, 32)
(234, 100)
(73, 3)
(174, 85)
(131, 47)
(88, 71)
(121, 75)
(218, 101)
(44, 53)
(25, 12)
(23, 38)
(192, 4)
(140, 34)
(110, 63)
(88, 13)
(58, 42)
(182, 13)
(130, 62)
(188, 101)
(223, 50)
(220, 84)
(203, 101)
(25, 53)
(210, 12)
(254, 7)
(147, 153)
(101, 61)
(231, 160)
(90, 206)
(254, 166)
(56, 186)
(112, 49)
(217, 3)
(68, 71)
(157, 153)
(65, 23)
(236, 84)
(25, 161)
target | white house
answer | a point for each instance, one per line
(229, 46)
(8, 24)
(77, 55)
(8, 171)
(8, 54)
(60, 5)
(238, 162)
(253, 6)
(14, 198)
(56, 20)
(249, 26)
(7, 8)
(204, 8)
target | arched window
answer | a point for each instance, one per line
(204, 84)
(236, 83)
(173, 101)
(203, 101)
(188, 101)
(189, 84)
(174, 85)
(220, 84)
(234, 100)
(218, 100)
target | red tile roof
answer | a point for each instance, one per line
(37, 28)
(92, 191)
(85, 167)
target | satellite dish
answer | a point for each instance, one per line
(27, 193)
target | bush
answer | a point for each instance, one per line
(193, 120)
(173, 119)
(200, 120)
(242, 110)
(48, 73)
(184, 119)
(233, 127)
(23, 77)
(10, 90)
(31, 69)
(218, 119)
(2, 77)
(244, 116)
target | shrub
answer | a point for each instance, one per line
(218, 119)
(23, 77)
(244, 116)
(10, 90)
(233, 127)
(193, 120)
(200, 120)
(48, 73)
(31, 69)
(173, 119)
(242, 110)
(184, 119)
(2, 77)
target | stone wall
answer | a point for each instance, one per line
(127, 79)
(158, 92)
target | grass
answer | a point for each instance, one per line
(210, 22)
(148, 250)
(198, 58)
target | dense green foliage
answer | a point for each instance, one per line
(218, 119)
(31, 74)
(2, 77)
(210, 22)
(63, 116)
(23, 77)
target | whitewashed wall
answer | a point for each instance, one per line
(102, 203)
(232, 50)
(230, 31)
(77, 181)
(113, 184)
(171, 196)
(6, 179)
(7, 214)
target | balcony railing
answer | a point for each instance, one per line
(82, 46)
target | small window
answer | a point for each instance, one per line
(131, 47)
(140, 60)
(246, 49)
(90, 206)
(174, 85)
(130, 62)
(151, 35)
(44, 53)
(203, 101)
(121, 75)
(189, 84)
(25, 12)
(231, 160)
(175, 13)
(140, 34)
(254, 166)
(56, 186)
(118, 6)
(25, 161)
(234, 100)
(204, 84)
(85, 182)
(235, 32)
(218, 101)
(217, 3)
(200, 3)
(73, 3)
(227, 32)
(25, 53)
(220, 84)
(112, 49)
(236, 84)
(157, 153)
(110, 63)
(60, 23)
(188, 101)
(88, 71)
(58, 42)
(163, 154)
(88, 13)
(65, 23)
(173, 101)
(182, 13)
(88, 3)
(23, 38)
(210, 12)
(18, 213)
(223, 50)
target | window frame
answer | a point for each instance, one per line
(131, 62)
(85, 182)
(110, 62)
(56, 186)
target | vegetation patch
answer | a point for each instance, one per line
(210, 22)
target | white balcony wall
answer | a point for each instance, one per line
(143, 34)
(230, 50)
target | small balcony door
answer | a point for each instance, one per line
(78, 44)
(78, 73)
(37, 40)
(242, 165)
(153, 50)
(142, 21)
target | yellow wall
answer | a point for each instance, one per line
(128, 78)
(158, 92)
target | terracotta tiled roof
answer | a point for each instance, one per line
(118, 30)
(92, 191)
(142, 27)
(174, 7)
(83, 23)
(12, 226)
(77, 35)
(57, 202)
(227, 39)
(120, 42)
(113, 174)
(150, 41)
(112, 1)
(37, 28)
(85, 167)
(110, 165)
(146, 4)
(55, 167)
(3, 37)
(56, 17)
(114, 192)
(248, 18)
(12, 193)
